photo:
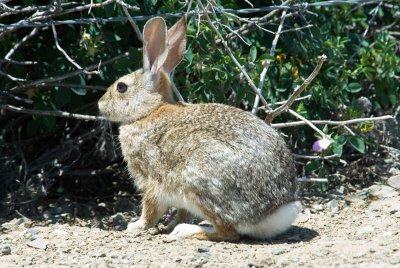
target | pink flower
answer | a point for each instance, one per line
(321, 145)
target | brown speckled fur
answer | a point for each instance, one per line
(229, 165)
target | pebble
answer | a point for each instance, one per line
(99, 254)
(317, 208)
(365, 230)
(202, 250)
(119, 220)
(37, 243)
(394, 171)
(279, 251)
(394, 182)
(13, 223)
(177, 259)
(5, 250)
(333, 204)
(58, 232)
(382, 191)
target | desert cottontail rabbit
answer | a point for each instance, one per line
(217, 162)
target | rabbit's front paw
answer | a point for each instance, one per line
(135, 227)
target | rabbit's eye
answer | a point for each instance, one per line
(121, 87)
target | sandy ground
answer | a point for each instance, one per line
(357, 230)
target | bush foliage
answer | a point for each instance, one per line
(360, 78)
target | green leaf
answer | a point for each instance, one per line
(189, 56)
(266, 57)
(48, 122)
(341, 140)
(253, 54)
(353, 87)
(79, 91)
(357, 143)
(313, 165)
(337, 149)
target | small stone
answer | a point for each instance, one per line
(382, 191)
(202, 250)
(317, 207)
(322, 253)
(58, 232)
(13, 223)
(278, 251)
(341, 189)
(33, 231)
(119, 220)
(177, 259)
(99, 254)
(394, 171)
(5, 250)
(333, 204)
(37, 243)
(366, 230)
(394, 182)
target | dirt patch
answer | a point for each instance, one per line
(357, 230)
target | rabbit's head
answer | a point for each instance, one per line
(136, 95)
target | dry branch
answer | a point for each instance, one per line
(44, 81)
(298, 91)
(333, 123)
(50, 113)
(235, 61)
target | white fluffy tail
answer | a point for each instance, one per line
(276, 223)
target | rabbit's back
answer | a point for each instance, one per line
(219, 156)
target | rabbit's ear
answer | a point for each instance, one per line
(176, 45)
(155, 49)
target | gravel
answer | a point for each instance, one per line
(360, 234)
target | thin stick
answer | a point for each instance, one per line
(310, 157)
(176, 92)
(307, 122)
(12, 78)
(4, 93)
(251, 83)
(18, 62)
(266, 66)
(41, 82)
(65, 53)
(131, 21)
(298, 90)
(19, 43)
(50, 113)
(297, 99)
(333, 123)
(312, 180)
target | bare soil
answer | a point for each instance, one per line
(348, 232)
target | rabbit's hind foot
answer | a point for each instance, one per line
(217, 233)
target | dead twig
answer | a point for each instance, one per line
(333, 123)
(266, 65)
(44, 81)
(235, 61)
(50, 113)
(284, 107)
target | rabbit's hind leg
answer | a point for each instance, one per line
(217, 233)
(152, 210)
